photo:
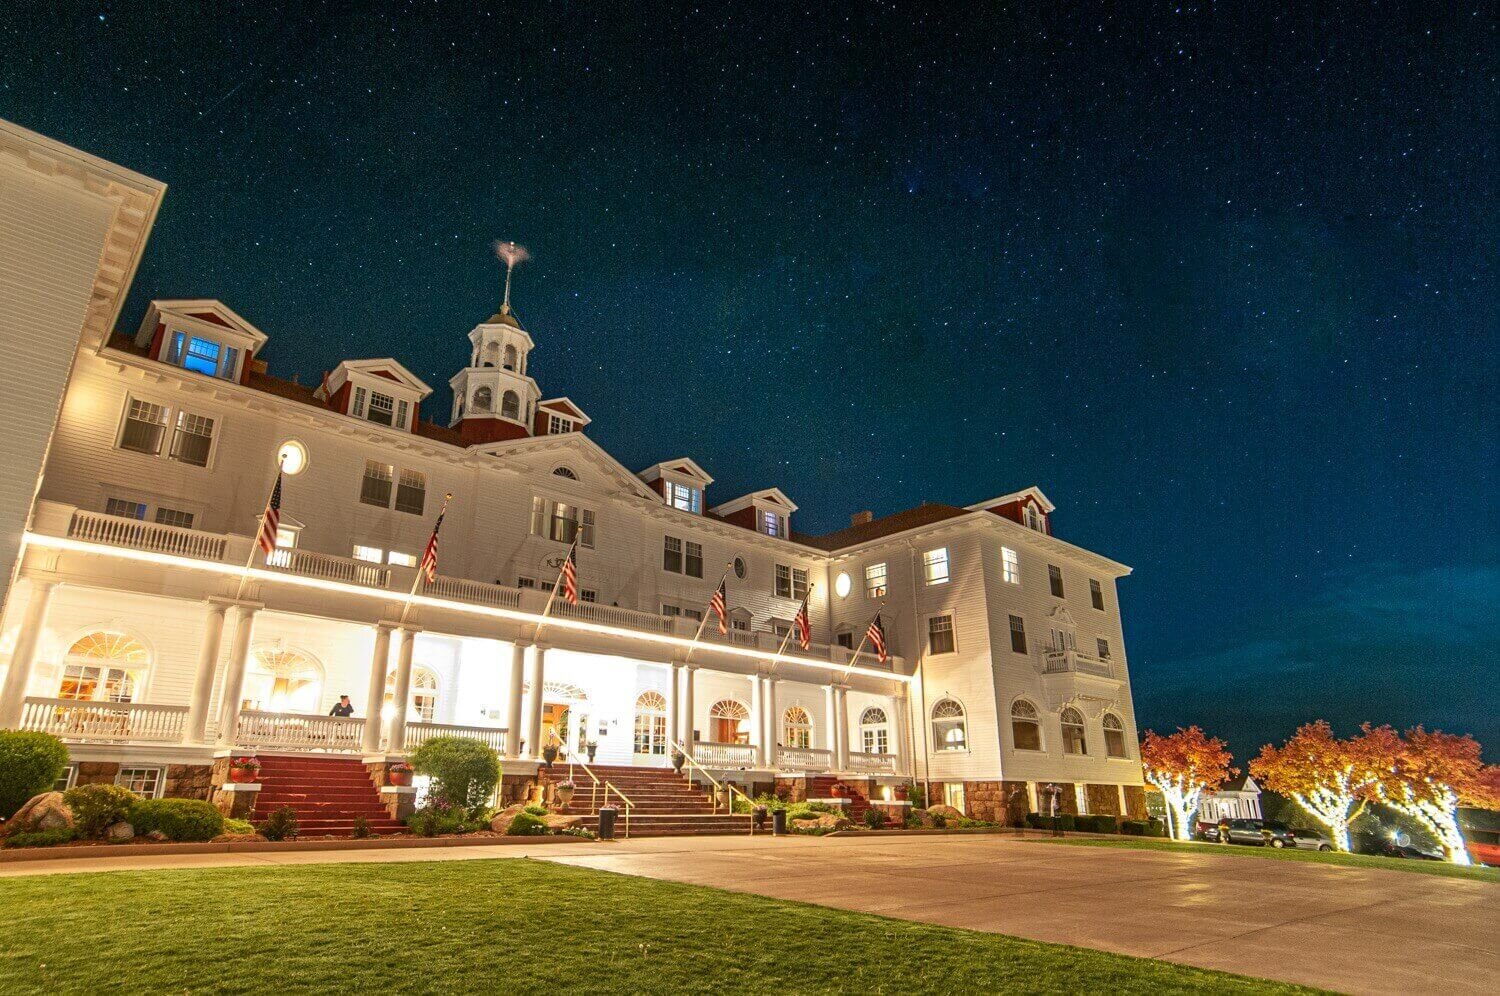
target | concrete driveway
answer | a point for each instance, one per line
(1354, 930)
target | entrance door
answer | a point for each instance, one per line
(554, 720)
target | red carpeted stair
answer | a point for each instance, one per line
(821, 787)
(328, 793)
(666, 805)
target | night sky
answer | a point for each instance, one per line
(1223, 286)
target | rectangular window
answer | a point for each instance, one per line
(230, 367)
(65, 780)
(671, 554)
(588, 595)
(586, 527)
(772, 524)
(791, 582)
(357, 408)
(193, 439)
(562, 522)
(1011, 565)
(1054, 578)
(525, 582)
(145, 426)
(686, 498)
(174, 517)
(376, 487)
(401, 409)
(1018, 634)
(125, 509)
(696, 615)
(671, 610)
(202, 356)
(845, 640)
(145, 782)
(875, 581)
(557, 425)
(1096, 594)
(940, 635)
(382, 409)
(411, 492)
(953, 795)
(401, 559)
(693, 566)
(935, 566)
(1103, 648)
(373, 554)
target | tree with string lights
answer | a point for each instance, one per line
(1429, 776)
(1183, 766)
(1332, 779)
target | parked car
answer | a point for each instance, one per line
(1255, 833)
(1310, 840)
(1395, 850)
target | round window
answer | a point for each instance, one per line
(739, 568)
(841, 584)
(293, 457)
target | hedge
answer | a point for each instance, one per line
(98, 807)
(30, 764)
(178, 819)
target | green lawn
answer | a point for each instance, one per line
(470, 926)
(1442, 868)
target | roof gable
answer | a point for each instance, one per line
(205, 314)
(386, 368)
(562, 446)
(565, 406)
(771, 497)
(1031, 494)
(681, 467)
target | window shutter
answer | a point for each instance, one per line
(358, 408)
(401, 409)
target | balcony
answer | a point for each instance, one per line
(1072, 676)
(330, 568)
(803, 759)
(1069, 660)
(110, 722)
(872, 764)
(115, 530)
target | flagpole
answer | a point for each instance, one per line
(250, 560)
(555, 586)
(421, 573)
(863, 640)
(788, 638)
(704, 621)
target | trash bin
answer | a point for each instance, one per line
(607, 822)
(778, 822)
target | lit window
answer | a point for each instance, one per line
(1072, 731)
(1096, 594)
(561, 521)
(293, 457)
(1114, 735)
(557, 425)
(373, 554)
(949, 728)
(935, 566)
(145, 782)
(874, 731)
(797, 728)
(1054, 578)
(686, 498)
(791, 582)
(772, 524)
(1011, 565)
(940, 635)
(382, 409)
(401, 559)
(953, 795)
(1018, 634)
(174, 517)
(104, 667)
(376, 487)
(202, 356)
(875, 580)
(411, 492)
(842, 584)
(651, 725)
(1025, 726)
(125, 509)
(145, 427)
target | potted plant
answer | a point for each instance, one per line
(551, 749)
(243, 770)
(902, 792)
(565, 790)
(678, 760)
(591, 746)
(760, 816)
(399, 773)
(840, 790)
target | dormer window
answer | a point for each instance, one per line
(203, 355)
(687, 498)
(382, 409)
(557, 425)
(1033, 518)
(772, 523)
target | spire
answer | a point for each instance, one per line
(510, 254)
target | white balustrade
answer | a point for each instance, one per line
(116, 530)
(478, 592)
(419, 733)
(117, 721)
(880, 764)
(329, 567)
(612, 615)
(712, 755)
(299, 732)
(803, 759)
(1076, 661)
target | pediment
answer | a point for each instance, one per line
(539, 457)
(1062, 617)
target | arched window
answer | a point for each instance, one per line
(1025, 726)
(279, 680)
(510, 405)
(104, 667)
(422, 698)
(1072, 729)
(491, 353)
(510, 357)
(1114, 735)
(797, 728)
(566, 472)
(484, 400)
(650, 725)
(874, 731)
(727, 719)
(949, 729)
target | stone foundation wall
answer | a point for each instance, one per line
(96, 772)
(792, 789)
(984, 801)
(234, 805)
(189, 781)
(1103, 799)
(1067, 802)
(1135, 802)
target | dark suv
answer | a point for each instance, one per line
(1257, 833)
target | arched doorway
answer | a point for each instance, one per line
(729, 722)
(104, 667)
(281, 680)
(650, 726)
(565, 713)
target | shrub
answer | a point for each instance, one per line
(436, 818)
(281, 825)
(177, 819)
(97, 807)
(939, 821)
(464, 770)
(361, 827)
(874, 818)
(30, 763)
(582, 832)
(526, 825)
(41, 838)
(238, 826)
(535, 810)
(1155, 828)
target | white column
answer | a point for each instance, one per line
(513, 705)
(841, 726)
(380, 663)
(196, 725)
(13, 693)
(757, 721)
(396, 739)
(234, 675)
(689, 713)
(537, 678)
(830, 720)
(773, 720)
(674, 702)
(901, 735)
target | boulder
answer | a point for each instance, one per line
(823, 821)
(47, 811)
(946, 812)
(500, 822)
(234, 838)
(556, 822)
(118, 833)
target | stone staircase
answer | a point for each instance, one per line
(328, 793)
(821, 787)
(666, 805)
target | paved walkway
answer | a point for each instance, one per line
(1355, 930)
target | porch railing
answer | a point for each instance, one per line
(329, 567)
(612, 615)
(803, 759)
(1066, 661)
(118, 721)
(463, 590)
(419, 733)
(116, 530)
(725, 755)
(299, 732)
(880, 764)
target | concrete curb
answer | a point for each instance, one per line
(64, 852)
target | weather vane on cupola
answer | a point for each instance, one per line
(510, 254)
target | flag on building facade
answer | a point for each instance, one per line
(270, 519)
(804, 628)
(428, 566)
(720, 606)
(876, 635)
(569, 576)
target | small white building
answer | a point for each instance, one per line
(1237, 799)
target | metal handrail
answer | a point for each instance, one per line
(729, 788)
(608, 786)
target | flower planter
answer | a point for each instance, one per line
(243, 776)
(399, 776)
(565, 793)
(549, 755)
(901, 793)
(840, 790)
(678, 760)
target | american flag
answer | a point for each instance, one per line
(428, 566)
(720, 606)
(876, 635)
(270, 519)
(569, 576)
(804, 628)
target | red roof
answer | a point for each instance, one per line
(900, 522)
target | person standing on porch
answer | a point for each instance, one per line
(343, 707)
